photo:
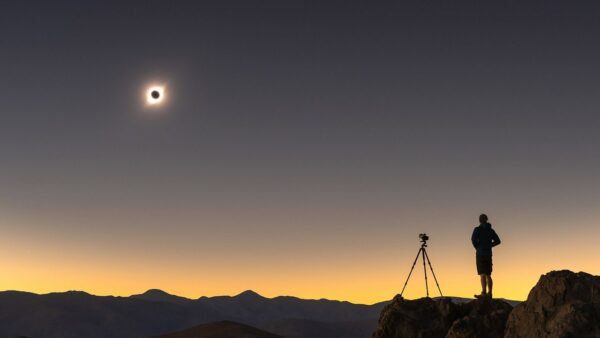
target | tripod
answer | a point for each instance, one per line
(423, 253)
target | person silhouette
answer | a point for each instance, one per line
(484, 238)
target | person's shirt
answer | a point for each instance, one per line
(484, 238)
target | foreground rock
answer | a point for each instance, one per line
(426, 317)
(562, 304)
(483, 318)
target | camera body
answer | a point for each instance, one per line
(424, 238)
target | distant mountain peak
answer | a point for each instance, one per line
(72, 293)
(156, 292)
(250, 295)
(160, 295)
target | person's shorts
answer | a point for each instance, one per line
(484, 265)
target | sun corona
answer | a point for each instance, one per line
(155, 95)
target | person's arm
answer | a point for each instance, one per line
(475, 238)
(495, 238)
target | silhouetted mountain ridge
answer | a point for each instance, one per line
(78, 314)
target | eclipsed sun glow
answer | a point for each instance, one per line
(155, 95)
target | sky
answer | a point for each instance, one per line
(301, 148)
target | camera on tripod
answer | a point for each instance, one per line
(423, 254)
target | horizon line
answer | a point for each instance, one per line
(236, 295)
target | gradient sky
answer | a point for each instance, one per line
(303, 146)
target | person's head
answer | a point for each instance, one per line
(483, 218)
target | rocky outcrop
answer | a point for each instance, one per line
(562, 304)
(429, 318)
(481, 318)
(423, 317)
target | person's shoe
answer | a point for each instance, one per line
(489, 295)
(480, 296)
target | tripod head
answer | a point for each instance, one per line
(424, 238)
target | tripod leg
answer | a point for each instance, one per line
(425, 271)
(411, 270)
(433, 273)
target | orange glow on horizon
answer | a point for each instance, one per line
(352, 270)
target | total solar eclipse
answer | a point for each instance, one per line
(155, 95)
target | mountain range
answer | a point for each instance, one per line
(76, 314)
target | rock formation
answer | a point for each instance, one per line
(481, 318)
(562, 304)
(423, 317)
(429, 318)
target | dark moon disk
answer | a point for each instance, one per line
(155, 94)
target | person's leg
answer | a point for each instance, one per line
(483, 283)
(481, 273)
(490, 283)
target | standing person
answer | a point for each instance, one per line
(484, 238)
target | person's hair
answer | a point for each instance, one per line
(483, 218)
